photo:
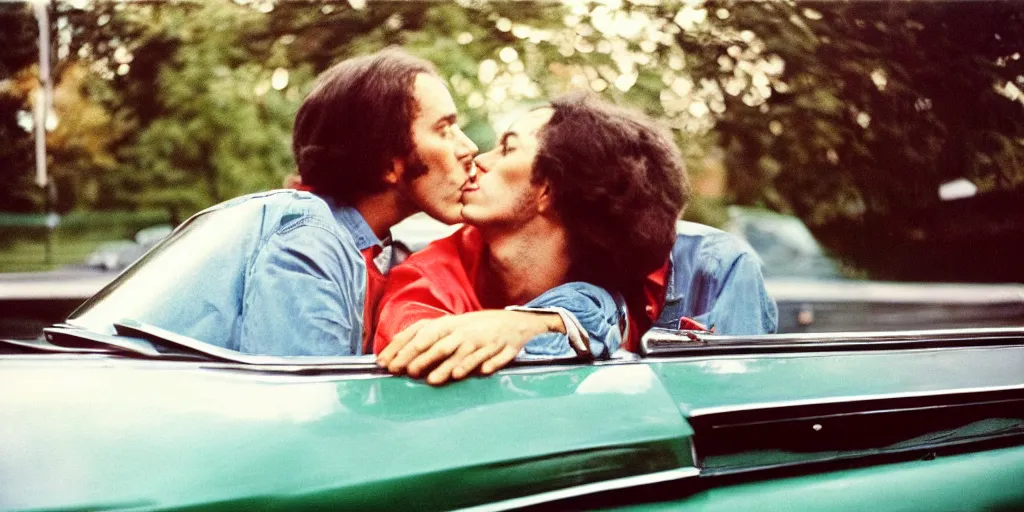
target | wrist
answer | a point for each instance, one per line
(541, 322)
(553, 322)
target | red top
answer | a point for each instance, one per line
(643, 311)
(443, 279)
(436, 281)
(375, 282)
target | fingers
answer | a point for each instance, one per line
(424, 339)
(499, 361)
(438, 351)
(398, 342)
(446, 370)
(472, 361)
(453, 347)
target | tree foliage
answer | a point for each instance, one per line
(18, 34)
(837, 111)
(866, 107)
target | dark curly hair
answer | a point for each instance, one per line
(618, 183)
(357, 118)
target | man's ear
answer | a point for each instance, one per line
(545, 198)
(394, 175)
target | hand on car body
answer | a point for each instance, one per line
(454, 346)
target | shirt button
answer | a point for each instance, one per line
(650, 309)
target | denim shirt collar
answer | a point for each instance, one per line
(350, 219)
(672, 293)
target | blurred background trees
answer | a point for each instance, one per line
(850, 115)
(18, 35)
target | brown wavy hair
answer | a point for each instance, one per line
(357, 118)
(619, 184)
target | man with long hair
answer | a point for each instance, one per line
(580, 191)
(376, 140)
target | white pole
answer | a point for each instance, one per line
(42, 110)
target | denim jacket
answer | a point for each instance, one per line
(305, 287)
(716, 279)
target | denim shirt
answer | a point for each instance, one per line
(715, 278)
(305, 287)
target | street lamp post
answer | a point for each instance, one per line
(43, 105)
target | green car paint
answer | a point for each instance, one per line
(92, 432)
(744, 381)
(128, 433)
(990, 481)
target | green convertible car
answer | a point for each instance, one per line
(136, 417)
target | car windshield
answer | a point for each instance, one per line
(153, 286)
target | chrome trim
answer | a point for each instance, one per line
(178, 341)
(108, 342)
(684, 358)
(275, 373)
(841, 292)
(666, 341)
(591, 488)
(707, 411)
(298, 374)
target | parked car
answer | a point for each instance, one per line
(110, 411)
(117, 255)
(30, 301)
(814, 295)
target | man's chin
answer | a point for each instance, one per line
(473, 217)
(464, 215)
(448, 216)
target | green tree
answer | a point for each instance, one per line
(18, 52)
(852, 109)
(226, 128)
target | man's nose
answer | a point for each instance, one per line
(467, 144)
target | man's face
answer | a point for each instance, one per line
(502, 193)
(440, 149)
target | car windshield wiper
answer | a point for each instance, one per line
(136, 345)
(138, 340)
